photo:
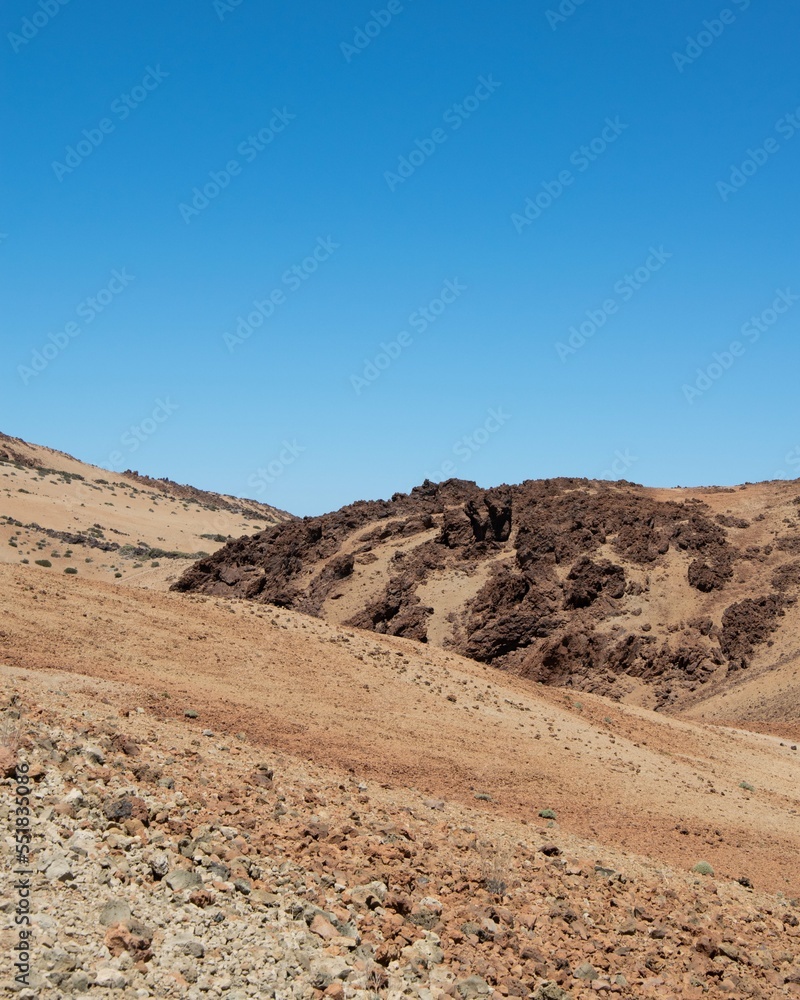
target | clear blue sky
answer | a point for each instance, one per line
(405, 155)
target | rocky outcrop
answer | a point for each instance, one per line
(747, 624)
(588, 580)
(569, 568)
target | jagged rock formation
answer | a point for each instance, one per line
(608, 587)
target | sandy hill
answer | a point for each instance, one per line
(662, 598)
(368, 816)
(103, 525)
(295, 784)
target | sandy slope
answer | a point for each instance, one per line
(425, 719)
(765, 700)
(57, 494)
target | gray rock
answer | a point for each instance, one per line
(59, 871)
(586, 972)
(473, 987)
(181, 879)
(115, 912)
(549, 990)
(110, 979)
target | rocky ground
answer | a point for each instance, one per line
(291, 784)
(176, 861)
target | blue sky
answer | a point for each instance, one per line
(492, 241)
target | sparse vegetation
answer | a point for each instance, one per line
(494, 868)
(377, 979)
(70, 570)
(547, 814)
(703, 868)
(747, 786)
(145, 551)
(10, 732)
(44, 562)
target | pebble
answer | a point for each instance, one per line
(110, 979)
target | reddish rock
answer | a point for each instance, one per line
(119, 938)
(8, 762)
(321, 926)
(127, 807)
(201, 898)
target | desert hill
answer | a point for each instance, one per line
(105, 525)
(374, 817)
(656, 597)
(232, 796)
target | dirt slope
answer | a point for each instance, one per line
(426, 719)
(108, 525)
(372, 814)
(305, 880)
(649, 596)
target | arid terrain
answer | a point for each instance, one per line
(260, 783)
(107, 525)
